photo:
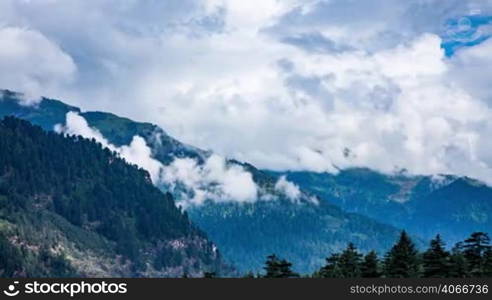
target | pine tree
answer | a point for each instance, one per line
(436, 259)
(370, 267)
(209, 275)
(350, 262)
(271, 267)
(286, 269)
(249, 275)
(487, 264)
(332, 269)
(458, 265)
(474, 249)
(402, 260)
(278, 268)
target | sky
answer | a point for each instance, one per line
(315, 85)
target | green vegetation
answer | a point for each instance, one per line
(436, 259)
(469, 259)
(357, 205)
(278, 268)
(402, 260)
(15, 262)
(301, 233)
(65, 199)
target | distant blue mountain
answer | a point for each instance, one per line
(424, 205)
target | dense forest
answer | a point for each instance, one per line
(70, 207)
(301, 233)
(470, 258)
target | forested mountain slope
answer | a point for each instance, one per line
(70, 208)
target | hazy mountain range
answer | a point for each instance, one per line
(425, 205)
(301, 216)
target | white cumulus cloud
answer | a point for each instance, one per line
(303, 85)
(32, 64)
(288, 188)
(215, 180)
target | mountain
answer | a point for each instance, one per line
(119, 131)
(303, 230)
(303, 233)
(424, 205)
(68, 207)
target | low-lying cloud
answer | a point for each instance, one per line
(137, 153)
(215, 179)
(287, 188)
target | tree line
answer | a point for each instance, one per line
(469, 258)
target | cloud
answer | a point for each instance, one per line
(75, 124)
(32, 64)
(215, 180)
(373, 25)
(305, 85)
(140, 154)
(469, 67)
(289, 189)
(137, 153)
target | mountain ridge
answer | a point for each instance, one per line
(424, 205)
(326, 227)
